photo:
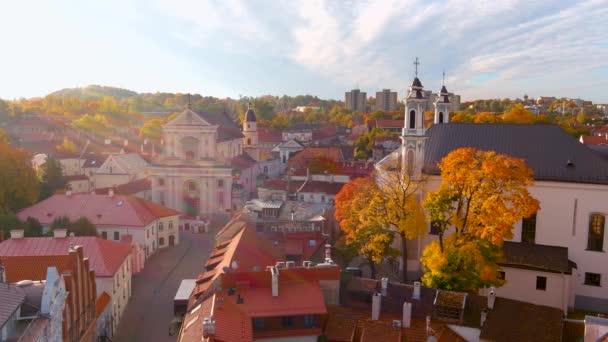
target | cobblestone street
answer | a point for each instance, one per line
(150, 310)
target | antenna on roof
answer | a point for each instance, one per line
(443, 81)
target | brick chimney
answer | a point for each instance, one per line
(407, 314)
(60, 233)
(16, 233)
(274, 272)
(376, 303)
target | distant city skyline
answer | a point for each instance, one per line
(252, 48)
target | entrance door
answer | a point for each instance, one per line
(171, 240)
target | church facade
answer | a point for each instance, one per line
(563, 245)
(193, 174)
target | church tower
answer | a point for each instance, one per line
(250, 131)
(442, 105)
(413, 134)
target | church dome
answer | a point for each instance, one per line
(250, 115)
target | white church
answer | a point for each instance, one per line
(558, 256)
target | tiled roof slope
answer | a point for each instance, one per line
(33, 268)
(105, 257)
(101, 210)
(227, 130)
(11, 298)
(545, 148)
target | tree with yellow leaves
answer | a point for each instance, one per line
(18, 181)
(363, 232)
(481, 196)
(398, 206)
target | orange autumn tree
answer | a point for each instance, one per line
(481, 196)
(363, 232)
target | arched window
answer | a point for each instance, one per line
(191, 186)
(440, 117)
(248, 141)
(412, 119)
(595, 241)
(410, 162)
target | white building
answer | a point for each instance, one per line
(119, 169)
(571, 184)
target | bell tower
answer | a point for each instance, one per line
(413, 135)
(250, 132)
(442, 105)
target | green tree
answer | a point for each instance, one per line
(4, 139)
(51, 177)
(18, 182)
(9, 221)
(32, 227)
(82, 227)
(61, 222)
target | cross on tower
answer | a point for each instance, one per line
(416, 63)
(443, 81)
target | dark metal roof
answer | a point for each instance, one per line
(227, 130)
(538, 257)
(443, 90)
(250, 116)
(553, 154)
(416, 83)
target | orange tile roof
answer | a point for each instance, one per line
(377, 331)
(17, 268)
(340, 328)
(105, 256)
(303, 158)
(594, 140)
(102, 301)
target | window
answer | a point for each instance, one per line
(323, 199)
(160, 226)
(528, 229)
(104, 235)
(116, 236)
(309, 321)
(147, 234)
(287, 321)
(434, 230)
(596, 232)
(191, 186)
(161, 181)
(248, 141)
(220, 183)
(541, 283)
(171, 225)
(161, 241)
(412, 119)
(258, 323)
(501, 275)
(593, 279)
(265, 169)
(440, 117)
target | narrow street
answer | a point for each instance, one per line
(150, 309)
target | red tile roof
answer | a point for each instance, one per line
(385, 123)
(105, 257)
(356, 168)
(101, 210)
(324, 132)
(269, 136)
(302, 159)
(134, 187)
(17, 268)
(281, 184)
(75, 178)
(322, 187)
(242, 162)
(594, 140)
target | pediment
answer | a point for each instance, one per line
(291, 144)
(187, 118)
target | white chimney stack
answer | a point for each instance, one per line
(407, 314)
(416, 294)
(274, 271)
(384, 286)
(328, 259)
(376, 302)
(208, 326)
(16, 233)
(60, 233)
(491, 298)
(484, 315)
(111, 193)
(68, 193)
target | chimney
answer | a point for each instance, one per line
(416, 294)
(290, 264)
(491, 298)
(71, 247)
(68, 193)
(111, 192)
(384, 286)
(126, 142)
(274, 271)
(60, 233)
(328, 259)
(307, 174)
(376, 302)
(407, 314)
(208, 326)
(484, 315)
(16, 233)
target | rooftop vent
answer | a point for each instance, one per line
(24, 283)
(569, 163)
(239, 299)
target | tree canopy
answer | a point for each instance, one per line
(18, 181)
(481, 196)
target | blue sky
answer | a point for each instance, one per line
(488, 48)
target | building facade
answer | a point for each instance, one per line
(386, 100)
(356, 100)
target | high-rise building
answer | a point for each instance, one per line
(386, 100)
(356, 100)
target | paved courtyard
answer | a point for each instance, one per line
(150, 310)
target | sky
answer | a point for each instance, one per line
(232, 48)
